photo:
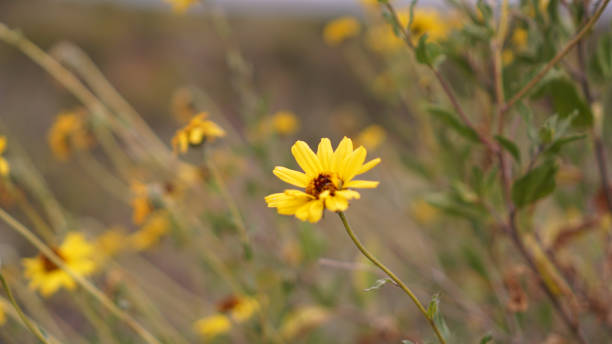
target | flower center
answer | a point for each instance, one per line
(322, 182)
(49, 265)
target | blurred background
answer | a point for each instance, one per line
(245, 62)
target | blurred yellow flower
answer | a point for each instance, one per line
(327, 180)
(519, 38)
(213, 326)
(111, 242)
(371, 137)
(150, 233)
(423, 212)
(69, 133)
(75, 252)
(2, 315)
(507, 56)
(4, 165)
(196, 132)
(242, 308)
(302, 320)
(427, 21)
(382, 39)
(340, 29)
(141, 204)
(285, 122)
(181, 6)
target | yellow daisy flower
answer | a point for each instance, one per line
(111, 242)
(285, 122)
(151, 232)
(371, 137)
(69, 133)
(141, 204)
(181, 6)
(340, 29)
(196, 132)
(382, 39)
(327, 181)
(44, 275)
(212, 326)
(240, 308)
(302, 320)
(4, 165)
(519, 38)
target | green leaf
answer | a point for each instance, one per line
(486, 339)
(509, 146)
(475, 261)
(432, 309)
(556, 146)
(565, 98)
(428, 53)
(450, 119)
(535, 184)
(379, 283)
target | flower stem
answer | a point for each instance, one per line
(390, 273)
(231, 204)
(22, 316)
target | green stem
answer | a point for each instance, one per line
(22, 316)
(231, 204)
(390, 273)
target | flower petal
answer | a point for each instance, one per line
(352, 164)
(369, 165)
(325, 153)
(292, 177)
(361, 184)
(345, 147)
(306, 158)
(349, 194)
(336, 203)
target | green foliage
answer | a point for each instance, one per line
(565, 98)
(601, 61)
(535, 184)
(449, 118)
(510, 146)
(486, 339)
(428, 53)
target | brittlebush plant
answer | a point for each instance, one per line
(492, 198)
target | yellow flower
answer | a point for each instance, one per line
(285, 122)
(327, 180)
(303, 319)
(196, 132)
(181, 6)
(371, 137)
(244, 308)
(519, 38)
(111, 242)
(507, 57)
(425, 20)
(150, 233)
(340, 29)
(2, 316)
(213, 326)
(428, 21)
(69, 133)
(141, 204)
(75, 252)
(4, 165)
